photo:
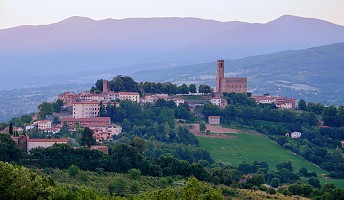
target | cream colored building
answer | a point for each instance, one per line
(178, 101)
(43, 124)
(34, 143)
(218, 101)
(214, 120)
(131, 96)
(85, 109)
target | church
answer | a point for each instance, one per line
(226, 84)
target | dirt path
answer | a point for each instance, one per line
(215, 131)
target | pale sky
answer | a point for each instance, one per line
(34, 12)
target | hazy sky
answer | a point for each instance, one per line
(22, 12)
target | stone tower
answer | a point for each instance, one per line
(105, 86)
(220, 75)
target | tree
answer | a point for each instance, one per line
(73, 171)
(17, 182)
(87, 137)
(118, 187)
(202, 127)
(285, 165)
(302, 105)
(139, 143)
(192, 88)
(275, 182)
(205, 89)
(134, 174)
(10, 129)
(45, 109)
(183, 89)
(314, 182)
(9, 150)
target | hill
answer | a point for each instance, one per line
(254, 147)
(314, 74)
(81, 44)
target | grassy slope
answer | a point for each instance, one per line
(251, 147)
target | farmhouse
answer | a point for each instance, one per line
(214, 120)
(218, 101)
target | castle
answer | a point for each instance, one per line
(223, 84)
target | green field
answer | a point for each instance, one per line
(251, 147)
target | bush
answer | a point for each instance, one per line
(100, 171)
(118, 187)
(83, 176)
(73, 171)
(134, 174)
(271, 191)
(135, 187)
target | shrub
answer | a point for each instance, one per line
(73, 171)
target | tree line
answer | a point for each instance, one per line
(127, 84)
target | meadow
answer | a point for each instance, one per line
(256, 147)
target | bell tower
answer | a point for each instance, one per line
(220, 75)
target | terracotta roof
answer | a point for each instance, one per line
(128, 93)
(48, 140)
(96, 119)
(214, 116)
(43, 121)
(86, 102)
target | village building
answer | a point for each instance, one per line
(52, 130)
(43, 124)
(111, 96)
(148, 99)
(106, 132)
(85, 109)
(131, 96)
(295, 135)
(26, 144)
(280, 102)
(88, 96)
(103, 149)
(15, 129)
(88, 122)
(34, 143)
(178, 101)
(218, 101)
(228, 84)
(154, 98)
(68, 98)
(214, 120)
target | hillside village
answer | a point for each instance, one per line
(119, 117)
(84, 109)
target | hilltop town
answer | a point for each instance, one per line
(161, 129)
(84, 109)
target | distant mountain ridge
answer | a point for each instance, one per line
(314, 74)
(82, 44)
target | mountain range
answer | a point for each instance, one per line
(314, 74)
(80, 47)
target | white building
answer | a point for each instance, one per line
(85, 109)
(148, 99)
(131, 96)
(178, 101)
(295, 135)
